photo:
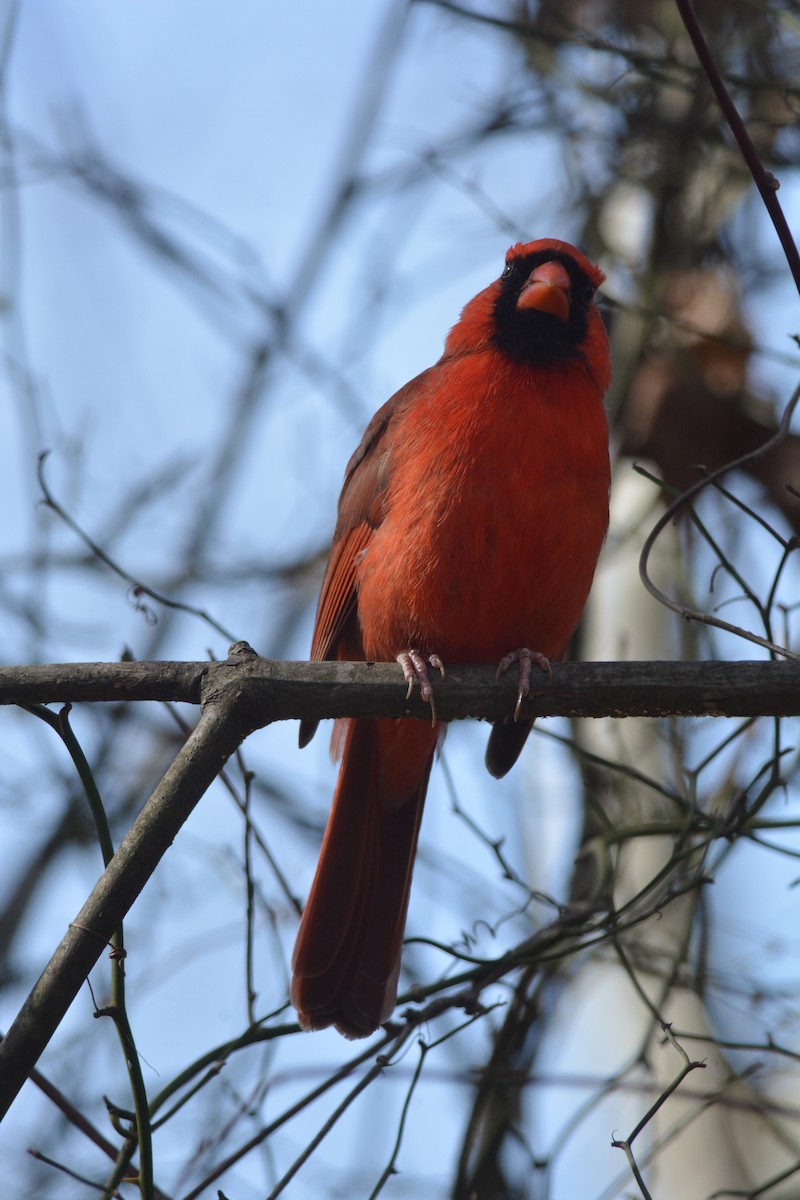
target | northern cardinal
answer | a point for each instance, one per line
(470, 522)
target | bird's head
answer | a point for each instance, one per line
(540, 312)
(544, 308)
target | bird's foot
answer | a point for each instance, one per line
(525, 658)
(415, 667)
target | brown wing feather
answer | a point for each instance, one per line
(360, 512)
(337, 601)
(336, 631)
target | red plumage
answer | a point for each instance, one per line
(470, 522)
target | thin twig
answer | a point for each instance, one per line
(626, 1144)
(764, 180)
(138, 588)
(675, 508)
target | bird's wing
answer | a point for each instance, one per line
(361, 510)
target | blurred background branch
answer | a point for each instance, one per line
(227, 237)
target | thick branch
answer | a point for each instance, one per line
(277, 691)
(247, 692)
(222, 726)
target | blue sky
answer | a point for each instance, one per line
(234, 118)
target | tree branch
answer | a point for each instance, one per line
(222, 727)
(764, 180)
(275, 691)
(247, 692)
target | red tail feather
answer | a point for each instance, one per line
(347, 957)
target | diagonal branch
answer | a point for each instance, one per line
(222, 727)
(764, 180)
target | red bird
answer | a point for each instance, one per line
(470, 522)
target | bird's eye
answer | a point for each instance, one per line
(588, 294)
(507, 269)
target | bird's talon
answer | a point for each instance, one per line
(503, 666)
(415, 667)
(525, 658)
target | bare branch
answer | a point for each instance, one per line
(288, 691)
(764, 180)
(223, 725)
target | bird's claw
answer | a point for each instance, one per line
(415, 667)
(525, 658)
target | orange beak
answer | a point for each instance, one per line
(548, 290)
